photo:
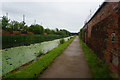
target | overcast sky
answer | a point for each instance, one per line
(62, 14)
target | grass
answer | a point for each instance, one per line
(98, 67)
(36, 68)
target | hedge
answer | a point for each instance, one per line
(20, 40)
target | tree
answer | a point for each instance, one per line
(37, 29)
(24, 29)
(57, 29)
(60, 33)
(0, 24)
(63, 32)
(81, 33)
(15, 25)
(48, 31)
(66, 32)
(52, 31)
(9, 28)
(21, 25)
(5, 21)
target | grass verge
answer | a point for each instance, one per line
(98, 68)
(35, 69)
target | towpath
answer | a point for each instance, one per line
(70, 64)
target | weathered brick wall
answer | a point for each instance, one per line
(119, 39)
(102, 34)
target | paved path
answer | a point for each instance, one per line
(70, 64)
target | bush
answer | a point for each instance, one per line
(70, 37)
(9, 40)
(40, 53)
(24, 32)
(30, 33)
(80, 33)
(62, 41)
(37, 29)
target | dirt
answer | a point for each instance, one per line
(70, 64)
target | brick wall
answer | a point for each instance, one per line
(3, 32)
(102, 34)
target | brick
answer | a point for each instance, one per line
(97, 34)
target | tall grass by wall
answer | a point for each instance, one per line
(97, 66)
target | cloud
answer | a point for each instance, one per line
(68, 15)
(55, 0)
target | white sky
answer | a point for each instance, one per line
(62, 14)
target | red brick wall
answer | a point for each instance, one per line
(6, 32)
(102, 34)
(3, 32)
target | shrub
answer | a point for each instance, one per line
(37, 29)
(30, 33)
(40, 53)
(24, 32)
(62, 41)
(8, 40)
(70, 37)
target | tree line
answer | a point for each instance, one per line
(9, 25)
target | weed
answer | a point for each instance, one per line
(98, 68)
(62, 41)
(40, 53)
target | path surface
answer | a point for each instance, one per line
(70, 64)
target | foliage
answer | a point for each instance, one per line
(14, 25)
(37, 29)
(18, 40)
(4, 22)
(0, 24)
(63, 32)
(60, 33)
(33, 70)
(40, 53)
(30, 33)
(48, 31)
(57, 29)
(52, 32)
(62, 41)
(81, 33)
(71, 37)
(98, 68)
(21, 25)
